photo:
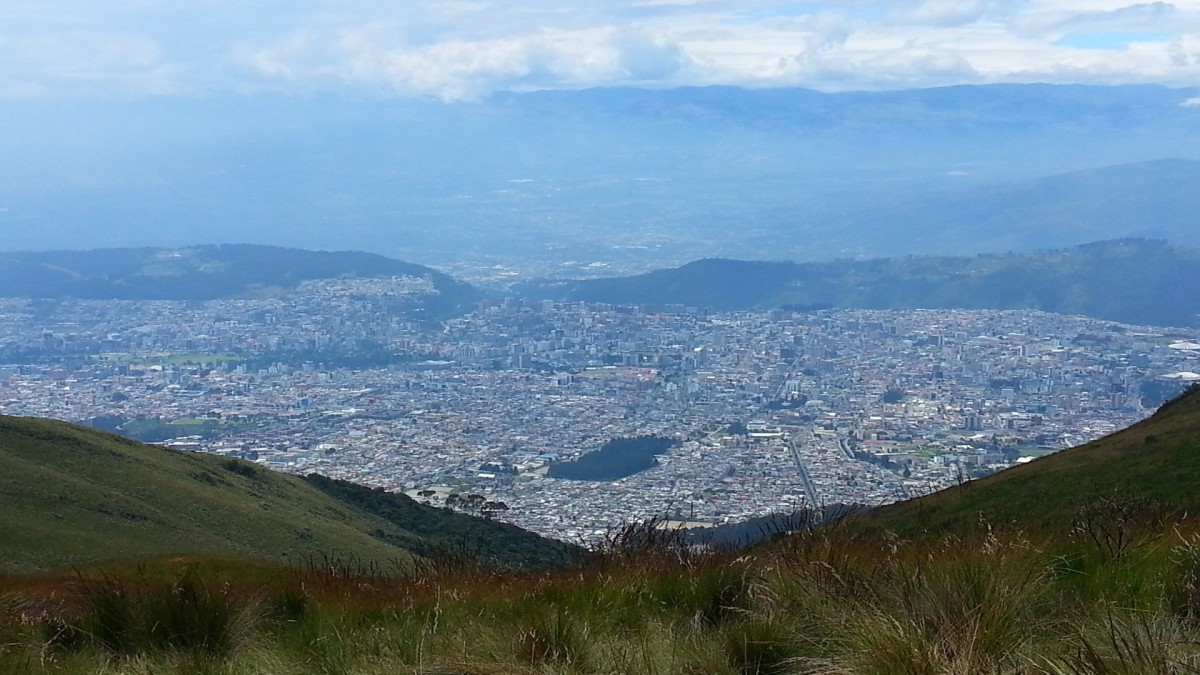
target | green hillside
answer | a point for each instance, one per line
(1155, 463)
(71, 496)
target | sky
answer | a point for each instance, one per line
(467, 49)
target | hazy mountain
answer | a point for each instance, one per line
(628, 176)
(969, 110)
(1136, 281)
(203, 273)
(1159, 199)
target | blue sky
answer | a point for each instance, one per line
(467, 49)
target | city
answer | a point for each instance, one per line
(772, 410)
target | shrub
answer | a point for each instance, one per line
(190, 616)
(125, 620)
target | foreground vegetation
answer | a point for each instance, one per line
(1116, 594)
(1087, 562)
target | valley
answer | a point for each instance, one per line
(880, 405)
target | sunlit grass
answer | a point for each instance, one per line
(826, 601)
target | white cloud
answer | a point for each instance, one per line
(910, 65)
(463, 49)
(1054, 20)
(465, 70)
(949, 12)
(644, 57)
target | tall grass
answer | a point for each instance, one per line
(123, 618)
(829, 600)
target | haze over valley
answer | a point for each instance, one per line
(608, 181)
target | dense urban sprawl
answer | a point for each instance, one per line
(775, 410)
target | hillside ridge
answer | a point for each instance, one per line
(1137, 281)
(1155, 462)
(204, 272)
(72, 495)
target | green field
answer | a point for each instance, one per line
(156, 430)
(141, 361)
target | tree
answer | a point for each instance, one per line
(473, 502)
(491, 508)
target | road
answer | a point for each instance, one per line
(810, 491)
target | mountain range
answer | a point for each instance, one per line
(1135, 281)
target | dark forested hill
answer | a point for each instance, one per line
(201, 273)
(1134, 280)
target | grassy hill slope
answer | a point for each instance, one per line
(71, 495)
(1155, 462)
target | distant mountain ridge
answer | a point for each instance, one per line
(960, 107)
(199, 272)
(1154, 199)
(71, 495)
(1135, 281)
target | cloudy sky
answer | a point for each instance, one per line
(466, 49)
